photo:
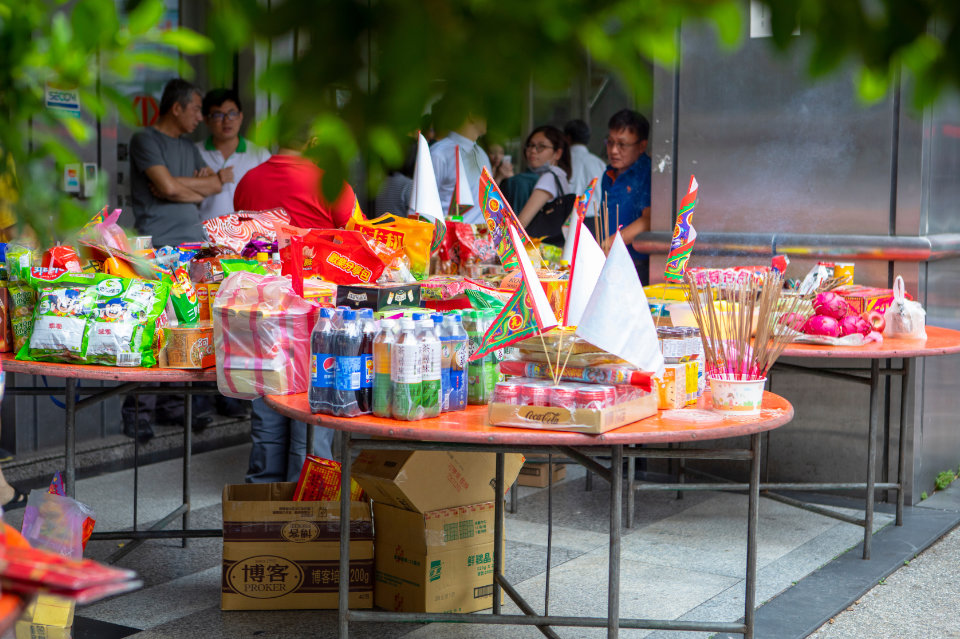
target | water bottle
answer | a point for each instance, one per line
(445, 354)
(382, 345)
(430, 368)
(321, 362)
(368, 331)
(405, 375)
(348, 373)
(456, 341)
(475, 326)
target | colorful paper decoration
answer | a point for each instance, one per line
(684, 236)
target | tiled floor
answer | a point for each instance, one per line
(682, 559)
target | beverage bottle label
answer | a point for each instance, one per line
(366, 367)
(431, 361)
(322, 367)
(405, 363)
(349, 374)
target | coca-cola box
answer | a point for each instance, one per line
(379, 297)
(580, 420)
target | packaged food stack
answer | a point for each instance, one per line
(596, 391)
(683, 380)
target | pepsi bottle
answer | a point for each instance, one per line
(348, 373)
(321, 362)
(368, 333)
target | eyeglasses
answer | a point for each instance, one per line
(218, 116)
(620, 146)
(539, 148)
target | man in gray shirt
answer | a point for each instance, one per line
(168, 176)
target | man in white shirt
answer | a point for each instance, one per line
(586, 165)
(442, 153)
(226, 149)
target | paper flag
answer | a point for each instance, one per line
(481, 300)
(585, 267)
(425, 198)
(526, 313)
(462, 200)
(584, 200)
(617, 318)
(684, 236)
(499, 216)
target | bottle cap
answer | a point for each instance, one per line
(349, 315)
(418, 316)
(437, 318)
(326, 312)
(406, 323)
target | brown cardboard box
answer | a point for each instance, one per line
(29, 630)
(438, 561)
(578, 420)
(534, 473)
(423, 480)
(280, 554)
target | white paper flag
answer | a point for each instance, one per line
(546, 319)
(617, 318)
(587, 262)
(464, 193)
(425, 199)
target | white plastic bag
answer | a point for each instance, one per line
(904, 318)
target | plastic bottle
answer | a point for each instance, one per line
(348, 374)
(456, 340)
(382, 345)
(445, 355)
(475, 328)
(321, 362)
(430, 367)
(405, 375)
(491, 371)
(368, 331)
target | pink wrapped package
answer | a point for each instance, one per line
(238, 229)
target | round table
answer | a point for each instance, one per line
(940, 341)
(177, 381)
(468, 430)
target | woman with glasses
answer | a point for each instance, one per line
(547, 156)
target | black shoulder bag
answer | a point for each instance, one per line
(549, 221)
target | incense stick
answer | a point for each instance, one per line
(546, 353)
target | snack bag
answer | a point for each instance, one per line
(238, 229)
(22, 301)
(320, 481)
(183, 295)
(414, 236)
(95, 319)
(338, 256)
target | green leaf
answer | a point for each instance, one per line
(872, 86)
(728, 19)
(145, 16)
(186, 41)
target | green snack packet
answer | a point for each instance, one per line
(186, 304)
(235, 265)
(22, 301)
(95, 318)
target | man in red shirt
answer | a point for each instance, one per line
(293, 182)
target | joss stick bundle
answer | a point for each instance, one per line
(728, 314)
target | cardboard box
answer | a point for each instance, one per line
(279, 554)
(28, 630)
(438, 561)
(864, 299)
(578, 420)
(323, 293)
(50, 610)
(426, 480)
(535, 473)
(378, 297)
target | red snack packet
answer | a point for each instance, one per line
(62, 257)
(320, 481)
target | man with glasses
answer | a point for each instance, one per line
(226, 152)
(626, 183)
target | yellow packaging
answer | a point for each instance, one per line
(50, 610)
(692, 382)
(672, 387)
(28, 630)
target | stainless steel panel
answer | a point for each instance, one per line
(943, 187)
(774, 150)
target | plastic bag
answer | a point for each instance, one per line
(95, 319)
(261, 334)
(904, 318)
(55, 523)
(238, 229)
(413, 236)
(335, 255)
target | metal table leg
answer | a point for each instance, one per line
(902, 442)
(631, 466)
(752, 523)
(871, 456)
(613, 562)
(497, 533)
(343, 605)
(70, 433)
(187, 453)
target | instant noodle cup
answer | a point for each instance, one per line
(190, 346)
